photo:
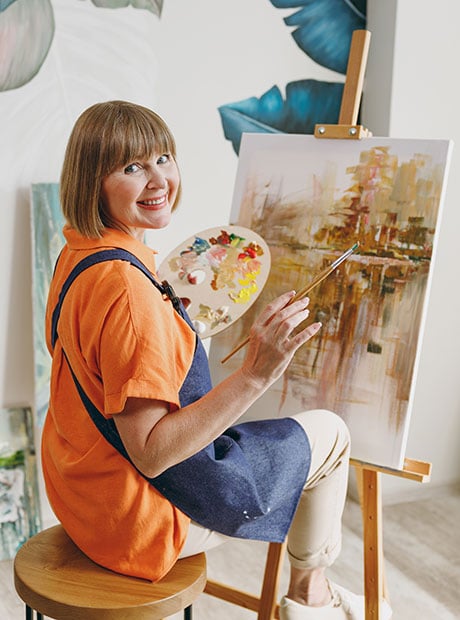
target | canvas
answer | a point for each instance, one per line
(47, 222)
(311, 199)
(19, 502)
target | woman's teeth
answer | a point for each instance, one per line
(151, 203)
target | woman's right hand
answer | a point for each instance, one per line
(272, 343)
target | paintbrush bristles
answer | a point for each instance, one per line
(304, 291)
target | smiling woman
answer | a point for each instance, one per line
(176, 473)
(137, 157)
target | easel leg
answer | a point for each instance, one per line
(371, 506)
(273, 567)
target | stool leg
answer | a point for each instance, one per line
(188, 613)
(30, 614)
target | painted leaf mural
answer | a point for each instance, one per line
(323, 28)
(154, 6)
(4, 4)
(26, 34)
(27, 30)
(307, 102)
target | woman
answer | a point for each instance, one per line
(141, 461)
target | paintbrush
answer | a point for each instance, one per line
(305, 290)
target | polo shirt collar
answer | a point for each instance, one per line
(111, 239)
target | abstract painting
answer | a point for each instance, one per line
(47, 239)
(19, 505)
(311, 199)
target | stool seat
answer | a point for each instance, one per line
(52, 576)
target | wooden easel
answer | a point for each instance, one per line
(368, 475)
(369, 485)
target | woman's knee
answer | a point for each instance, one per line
(324, 423)
(328, 436)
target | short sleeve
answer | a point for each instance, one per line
(144, 348)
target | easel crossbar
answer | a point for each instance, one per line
(420, 471)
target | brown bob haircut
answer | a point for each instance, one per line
(106, 136)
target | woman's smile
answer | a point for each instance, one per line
(153, 203)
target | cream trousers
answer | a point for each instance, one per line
(314, 538)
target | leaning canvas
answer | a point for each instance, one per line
(19, 499)
(311, 199)
(47, 241)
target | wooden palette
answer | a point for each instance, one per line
(218, 273)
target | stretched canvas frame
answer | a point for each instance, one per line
(310, 200)
(47, 222)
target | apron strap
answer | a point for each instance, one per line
(100, 257)
(105, 425)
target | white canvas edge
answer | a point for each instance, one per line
(399, 464)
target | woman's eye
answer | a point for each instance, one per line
(131, 168)
(163, 159)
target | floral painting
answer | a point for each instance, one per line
(310, 200)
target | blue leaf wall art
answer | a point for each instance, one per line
(306, 102)
(323, 30)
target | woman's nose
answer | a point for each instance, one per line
(155, 179)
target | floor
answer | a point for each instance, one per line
(422, 554)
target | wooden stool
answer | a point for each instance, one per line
(53, 577)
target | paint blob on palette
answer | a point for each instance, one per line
(218, 273)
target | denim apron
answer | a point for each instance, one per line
(246, 483)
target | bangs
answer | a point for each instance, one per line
(134, 133)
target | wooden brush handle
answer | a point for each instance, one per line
(303, 292)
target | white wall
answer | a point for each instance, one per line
(198, 56)
(411, 91)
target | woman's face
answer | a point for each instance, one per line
(140, 195)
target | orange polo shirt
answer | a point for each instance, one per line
(122, 340)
